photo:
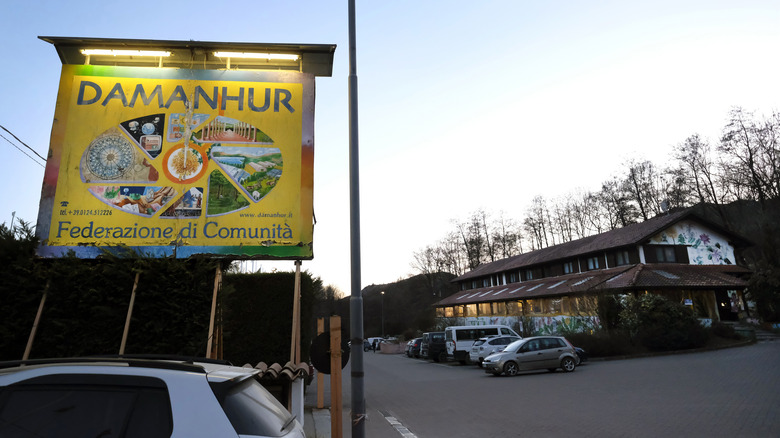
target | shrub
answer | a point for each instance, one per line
(602, 344)
(660, 324)
(725, 331)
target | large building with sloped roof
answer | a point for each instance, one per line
(679, 255)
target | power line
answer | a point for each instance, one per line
(25, 144)
(22, 151)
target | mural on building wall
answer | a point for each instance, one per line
(705, 247)
(542, 325)
(554, 325)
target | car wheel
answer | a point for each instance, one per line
(568, 364)
(511, 369)
(442, 357)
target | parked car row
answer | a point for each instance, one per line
(497, 349)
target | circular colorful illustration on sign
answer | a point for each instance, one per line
(110, 156)
(185, 164)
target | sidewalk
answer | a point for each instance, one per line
(316, 422)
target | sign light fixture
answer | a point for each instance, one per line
(251, 55)
(112, 52)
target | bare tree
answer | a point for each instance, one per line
(752, 156)
(507, 237)
(489, 246)
(473, 240)
(537, 224)
(696, 158)
(615, 198)
(642, 183)
(676, 193)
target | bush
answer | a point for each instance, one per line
(602, 344)
(725, 331)
(661, 325)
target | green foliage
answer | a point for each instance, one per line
(609, 308)
(258, 316)
(660, 324)
(17, 246)
(725, 331)
(87, 301)
(602, 344)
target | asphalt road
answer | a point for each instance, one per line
(733, 392)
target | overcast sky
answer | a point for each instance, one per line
(462, 105)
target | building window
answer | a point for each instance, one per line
(484, 309)
(499, 309)
(486, 282)
(555, 305)
(460, 311)
(474, 284)
(514, 308)
(513, 277)
(665, 254)
(568, 267)
(534, 306)
(621, 258)
(441, 312)
(471, 310)
(565, 305)
(593, 263)
(529, 274)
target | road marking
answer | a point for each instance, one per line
(397, 425)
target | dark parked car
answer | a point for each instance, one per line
(582, 354)
(414, 347)
(433, 347)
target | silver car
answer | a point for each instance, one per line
(541, 352)
(484, 347)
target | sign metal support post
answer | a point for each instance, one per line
(358, 415)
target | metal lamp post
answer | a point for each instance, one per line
(383, 314)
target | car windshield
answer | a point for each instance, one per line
(514, 345)
(479, 342)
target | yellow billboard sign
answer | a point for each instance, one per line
(177, 162)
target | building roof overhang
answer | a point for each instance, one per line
(621, 279)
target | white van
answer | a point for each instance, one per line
(460, 338)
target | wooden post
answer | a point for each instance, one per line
(217, 282)
(320, 376)
(35, 322)
(335, 377)
(129, 315)
(295, 338)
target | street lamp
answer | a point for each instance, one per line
(383, 314)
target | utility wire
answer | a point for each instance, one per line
(25, 144)
(22, 151)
